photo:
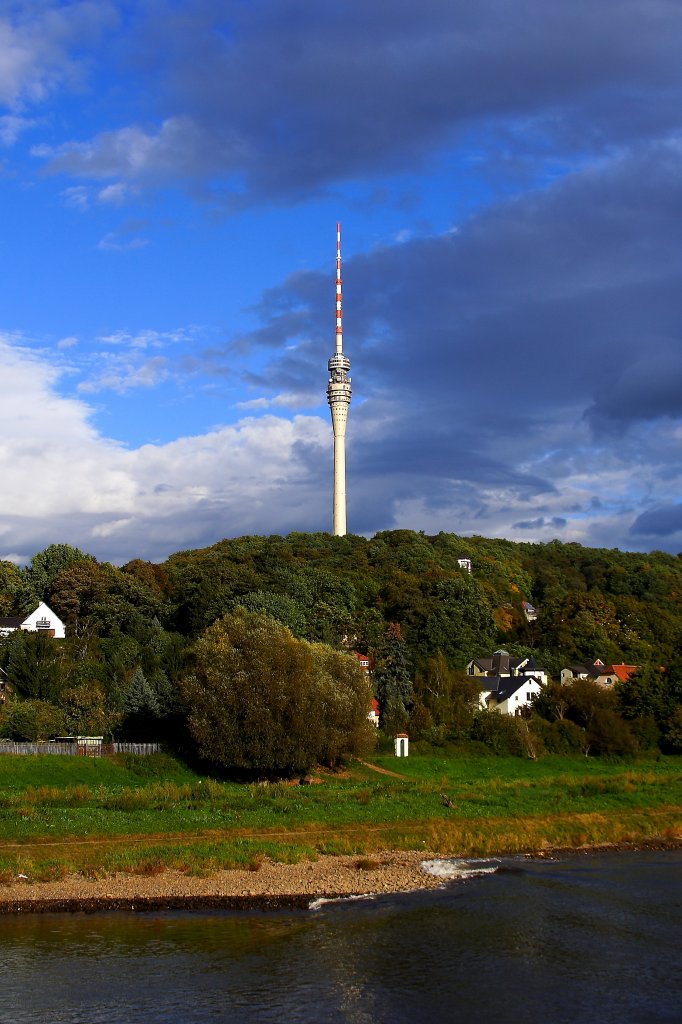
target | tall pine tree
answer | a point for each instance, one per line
(393, 681)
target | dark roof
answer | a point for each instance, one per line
(493, 683)
(499, 662)
(505, 686)
(592, 671)
(11, 620)
(504, 664)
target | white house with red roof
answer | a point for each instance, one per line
(612, 674)
(599, 673)
(362, 660)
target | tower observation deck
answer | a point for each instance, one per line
(338, 396)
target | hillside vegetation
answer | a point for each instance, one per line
(129, 628)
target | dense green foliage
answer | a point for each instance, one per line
(392, 682)
(129, 628)
(261, 701)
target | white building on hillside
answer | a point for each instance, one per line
(42, 620)
(507, 684)
(509, 695)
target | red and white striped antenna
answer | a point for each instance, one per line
(339, 327)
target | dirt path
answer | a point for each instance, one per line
(382, 771)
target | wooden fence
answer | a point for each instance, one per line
(10, 747)
(78, 749)
(134, 748)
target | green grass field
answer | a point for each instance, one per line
(60, 814)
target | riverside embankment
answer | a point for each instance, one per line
(72, 829)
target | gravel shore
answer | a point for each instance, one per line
(271, 886)
(292, 885)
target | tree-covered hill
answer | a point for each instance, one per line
(128, 628)
(619, 606)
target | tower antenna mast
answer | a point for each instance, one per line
(338, 396)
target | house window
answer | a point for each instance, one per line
(43, 624)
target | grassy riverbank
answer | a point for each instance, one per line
(145, 815)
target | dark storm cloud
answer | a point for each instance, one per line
(570, 298)
(537, 343)
(556, 522)
(281, 98)
(658, 522)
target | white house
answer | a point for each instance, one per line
(588, 670)
(529, 611)
(508, 694)
(362, 660)
(611, 674)
(507, 684)
(42, 620)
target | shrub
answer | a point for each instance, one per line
(559, 737)
(500, 733)
(609, 735)
(31, 720)
(262, 702)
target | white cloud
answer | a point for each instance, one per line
(117, 194)
(64, 481)
(125, 360)
(11, 127)
(114, 243)
(129, 153)
(35, 44)
(255, 403)
(148, 338)
(77, 196)
(120, 374)
(285, 400)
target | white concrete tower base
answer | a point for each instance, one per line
(339, 424)
(339, 486)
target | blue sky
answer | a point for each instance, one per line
(508, 180)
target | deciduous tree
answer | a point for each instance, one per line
(263, 702)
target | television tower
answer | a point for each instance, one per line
(338, 396)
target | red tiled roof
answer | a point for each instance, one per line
(622, 671)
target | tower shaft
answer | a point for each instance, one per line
(338, 396)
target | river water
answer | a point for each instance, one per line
(590, 939)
